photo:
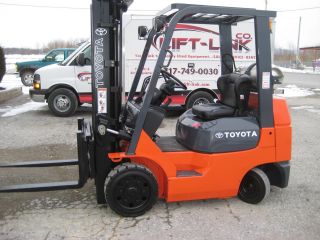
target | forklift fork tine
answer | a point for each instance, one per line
(46, 163)
(39, 187)
(84, 162)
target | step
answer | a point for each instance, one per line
(188, 173)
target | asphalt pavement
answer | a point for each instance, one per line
(290, 213)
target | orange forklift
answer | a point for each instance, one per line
(237, 146)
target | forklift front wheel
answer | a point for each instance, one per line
(130, 189)
(255, 186)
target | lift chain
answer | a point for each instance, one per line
(111, 63)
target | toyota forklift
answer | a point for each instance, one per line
(237, 146)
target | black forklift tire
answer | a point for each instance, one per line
(254, 187)
(63, 102)
(130, 189)
(200, 97)
(27, 78)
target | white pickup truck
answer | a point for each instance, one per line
(195, 62)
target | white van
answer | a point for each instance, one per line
(65, 85)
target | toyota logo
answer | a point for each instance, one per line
(219, 135)
(101, 31)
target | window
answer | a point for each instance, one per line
(69, 52)
(87, 55)
(55, 56)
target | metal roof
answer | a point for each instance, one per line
(206, 14)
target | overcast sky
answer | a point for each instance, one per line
(26, 26)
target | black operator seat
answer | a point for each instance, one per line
(235, 90)
(153, 120)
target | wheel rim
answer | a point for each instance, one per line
(62, 103)
(250, 188)
(28, 78)
(132, 192)
(200, 101)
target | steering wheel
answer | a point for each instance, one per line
(166, 75)
(249, 69)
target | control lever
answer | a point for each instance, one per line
(121, 134)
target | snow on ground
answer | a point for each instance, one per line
(307, 108)
(294, 91)
(302, 107)
(6, 109)
(11, 59)
(29, 106)
(13, 80)
(308, 70)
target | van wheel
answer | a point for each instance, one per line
(131, 189)
(255, 186)
(198, 98)
(63, 102)
(27, 78)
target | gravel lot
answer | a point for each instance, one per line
(291, 213)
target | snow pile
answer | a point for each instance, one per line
(6, 109)
(11, 81)
(11, 59)
(294, 91)
(30, 106)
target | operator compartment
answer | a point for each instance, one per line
(224, 126)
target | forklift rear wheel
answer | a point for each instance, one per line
(63, 102)
(130, 189)
(254, 187)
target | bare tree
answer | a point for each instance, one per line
(2, 63)
(62, 44)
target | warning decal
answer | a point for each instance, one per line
(265, 80)
(102, 100)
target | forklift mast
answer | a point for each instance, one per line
(106, 35)
(94, 141)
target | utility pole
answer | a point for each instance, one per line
(298, 61)
(266, 5)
